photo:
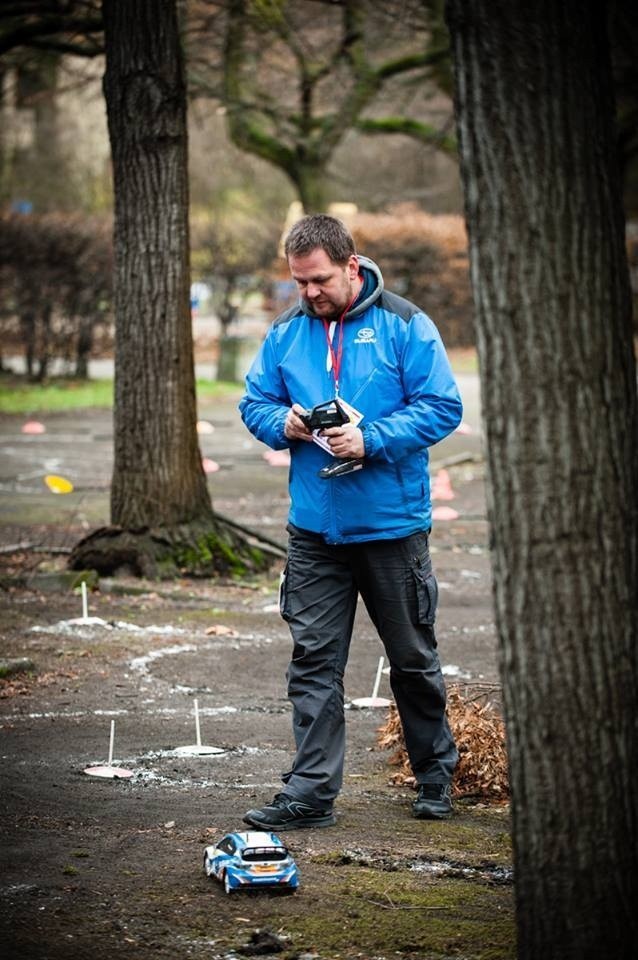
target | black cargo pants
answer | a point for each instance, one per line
(318, 600)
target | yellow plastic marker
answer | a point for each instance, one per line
(58, 484)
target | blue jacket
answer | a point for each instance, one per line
(395, 371)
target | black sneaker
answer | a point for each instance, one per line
(286, 813)
(433, 801)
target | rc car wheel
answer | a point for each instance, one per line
(227, 886)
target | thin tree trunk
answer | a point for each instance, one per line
(50, 192)
(44, 346)
(549, 274)
(27, 332)
(157, 477)
(84, 347)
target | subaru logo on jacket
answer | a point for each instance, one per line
(396, 373)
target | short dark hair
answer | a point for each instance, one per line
(320, 230)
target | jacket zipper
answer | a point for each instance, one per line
(332, 510)
(363, 386)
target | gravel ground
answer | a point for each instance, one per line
(92, 866)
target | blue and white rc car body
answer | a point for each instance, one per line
(252, 859)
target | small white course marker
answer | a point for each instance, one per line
(374, 700)
(109, 772)
(197, 749)
(85, 620)
(85, 602)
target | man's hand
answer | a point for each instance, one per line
(345, 442)
(294, 427)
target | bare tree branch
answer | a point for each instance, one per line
(72, 49)
(25, 33)
(416, 129)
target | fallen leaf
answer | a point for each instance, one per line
(277, 458)
(219, 630)
(444, 513)
(33, 426)
(203, 426)
(464, 428)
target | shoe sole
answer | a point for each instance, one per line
(327, 821)
(432, 816)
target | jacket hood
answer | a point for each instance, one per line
(371, 289)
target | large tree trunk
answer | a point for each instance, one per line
(157, 475)
(549, 274)
(311, 181)
(161, 514)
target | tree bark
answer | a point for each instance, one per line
(157, 476)
(311, 182)
(553, 312)
(86, 326)
(162, 522)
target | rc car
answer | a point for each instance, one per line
(252, 859)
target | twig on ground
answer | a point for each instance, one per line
(396, 906)
(33, 548)
(278, 548)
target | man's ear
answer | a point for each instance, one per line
(353, 266)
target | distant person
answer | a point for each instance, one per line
(365, 531)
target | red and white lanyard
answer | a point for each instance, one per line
(335, 357)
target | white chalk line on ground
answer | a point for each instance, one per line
(123, 712)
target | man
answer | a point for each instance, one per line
(364, 532)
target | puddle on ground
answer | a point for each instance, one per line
(171, 754)
(490, 873)
(19, 890)
(164, 712)
(484, 872)
(203, 711)
(86, 626)
(152, 778)
(452, 670)
(64, 714)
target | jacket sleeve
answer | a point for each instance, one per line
(265, 405)
(433, 405)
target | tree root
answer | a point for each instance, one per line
(212, 546)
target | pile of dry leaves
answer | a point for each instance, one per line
(23, 684)
(479, 732)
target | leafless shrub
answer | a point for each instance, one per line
(55, 288)
(424, 258)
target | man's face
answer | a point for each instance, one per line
(328, 287)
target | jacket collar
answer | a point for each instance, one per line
(371, 289)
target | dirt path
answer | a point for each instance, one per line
(92, 867)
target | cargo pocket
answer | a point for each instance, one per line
(283, 593)
(427, 593)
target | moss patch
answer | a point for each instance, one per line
(209, 551)
(363, 912)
